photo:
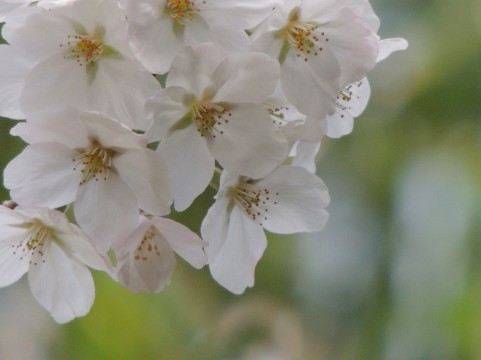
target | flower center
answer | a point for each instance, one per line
(95, 161)
(35, 243)
(182, 10)
(84, 49)
(148, 246)
(302, 36)
(210, 117)
(254, 200)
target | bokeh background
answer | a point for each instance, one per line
(395, 275)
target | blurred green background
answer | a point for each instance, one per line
(396, 274)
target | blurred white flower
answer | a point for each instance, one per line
(55, 253)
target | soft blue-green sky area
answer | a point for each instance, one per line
(395, 275)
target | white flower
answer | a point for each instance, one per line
(146, 259)
(322, 47)
(288, 200)
(78, 55)
(212, 110)
(55, 253)
(95, 161)
(159, 29)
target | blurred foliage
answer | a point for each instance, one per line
(395, 275)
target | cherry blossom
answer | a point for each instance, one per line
(288, 200)
(146, 259)
(93, 161)
(55, 253)
(212, 110)
(159, 29)
(77, 54)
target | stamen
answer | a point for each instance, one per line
(148, 246)
(182, 10)
(209, 118)
(95, 161)
(84, 49)
(35, 244)
(253, 200)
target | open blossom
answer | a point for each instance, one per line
(76, 54)
(288, 200)
(55, 253)
(212, 110)
(146, 259)
(93, 161)
(159, 29)
(322, 47)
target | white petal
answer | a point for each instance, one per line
(62, 285)
(300, 201)
(193, 67)
(215, 225)
(234, 265)
(245, 77)
(106, 210)
(190, 163)
(61, 126)
(248, 143)
(183, 241)
(13, 261)
(388, 46)
(55, 81)
(306, 153)
(43, 175)
(12, 77)
(145, 171)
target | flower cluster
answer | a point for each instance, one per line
(130, 107)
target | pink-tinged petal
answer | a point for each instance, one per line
(43, 175)
(13, 260)
(297, 200)
(148, 271)
(245, 78)
(106, 210)
(12, 77)
(183, 241)
(190, 164)
(145, 171)
(62, 285)
(248, 143)
(388, 46)
(245, 242)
